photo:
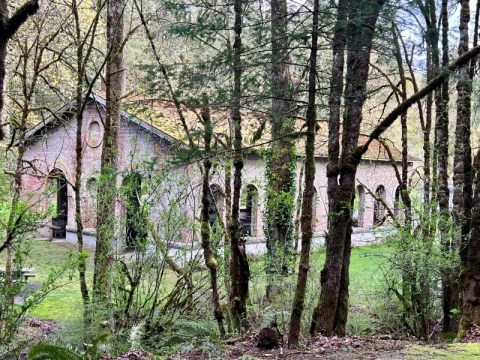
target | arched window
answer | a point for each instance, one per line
(378, 207)
(217, 204)
(135, 221)
(359, 206)
(249, 211)
(60, 203)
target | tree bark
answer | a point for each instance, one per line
(462, 145)
(308, 193)
(108, 179)
(443, 193)
(239, 269)
(8, 27)
(468, 239)
(404, 196)
(331, 313)
(84, 50)
(471, 274)
(208, 253)
(281, 175)
(324, 321)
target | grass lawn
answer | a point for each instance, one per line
(446, 352)
(65, 303)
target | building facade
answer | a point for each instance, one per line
(145, 152)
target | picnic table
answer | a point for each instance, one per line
(25, 273)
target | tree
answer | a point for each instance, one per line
(443, 192)
(115, 78)
(84, 41)
(239, 269)
(308, 193)
(464, 199)
(281, 161)
(208, 253)
(31, 70)
(462, 153)
(8, 27)
(330, 315)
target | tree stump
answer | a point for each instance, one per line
(267, 338)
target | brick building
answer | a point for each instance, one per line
(147, 140)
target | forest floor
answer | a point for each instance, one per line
(365, 348)
(61, 313)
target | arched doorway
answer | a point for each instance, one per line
(378, 207)
(60, 203)
(249, 211)
(134, 223)
(359, 206)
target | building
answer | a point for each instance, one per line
(147, 142)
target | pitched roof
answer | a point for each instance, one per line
(161, 118)
(67, 109)
(163, 115)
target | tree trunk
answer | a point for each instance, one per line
(462, 145)
(331, 313)
(443, 193)
(281, 172)
(308, 194)
(466, 278)
(208, 253)
(298, 212)
(471, 272)
(83, 54)
(108, 179)
(239, 269)
(77, 190)
(8, 28)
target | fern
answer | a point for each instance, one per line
(136, 334)
(194, 328)
(51, 352)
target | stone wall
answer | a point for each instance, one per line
(55, 149)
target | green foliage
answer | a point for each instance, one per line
(55, 352)
(279, 210)
(185, 335)
(415, 268)
(49, 352)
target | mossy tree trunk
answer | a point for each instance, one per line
(108, 177)
(282, 160)
(471, 269)
(208, 252)
(239, 269)
(84, 48)
(442, 140)
(469, 243)
(330, 315)
(308, 193)
(462, 155)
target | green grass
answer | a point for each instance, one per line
(445, 352)
(366, 285)
(65, 304)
